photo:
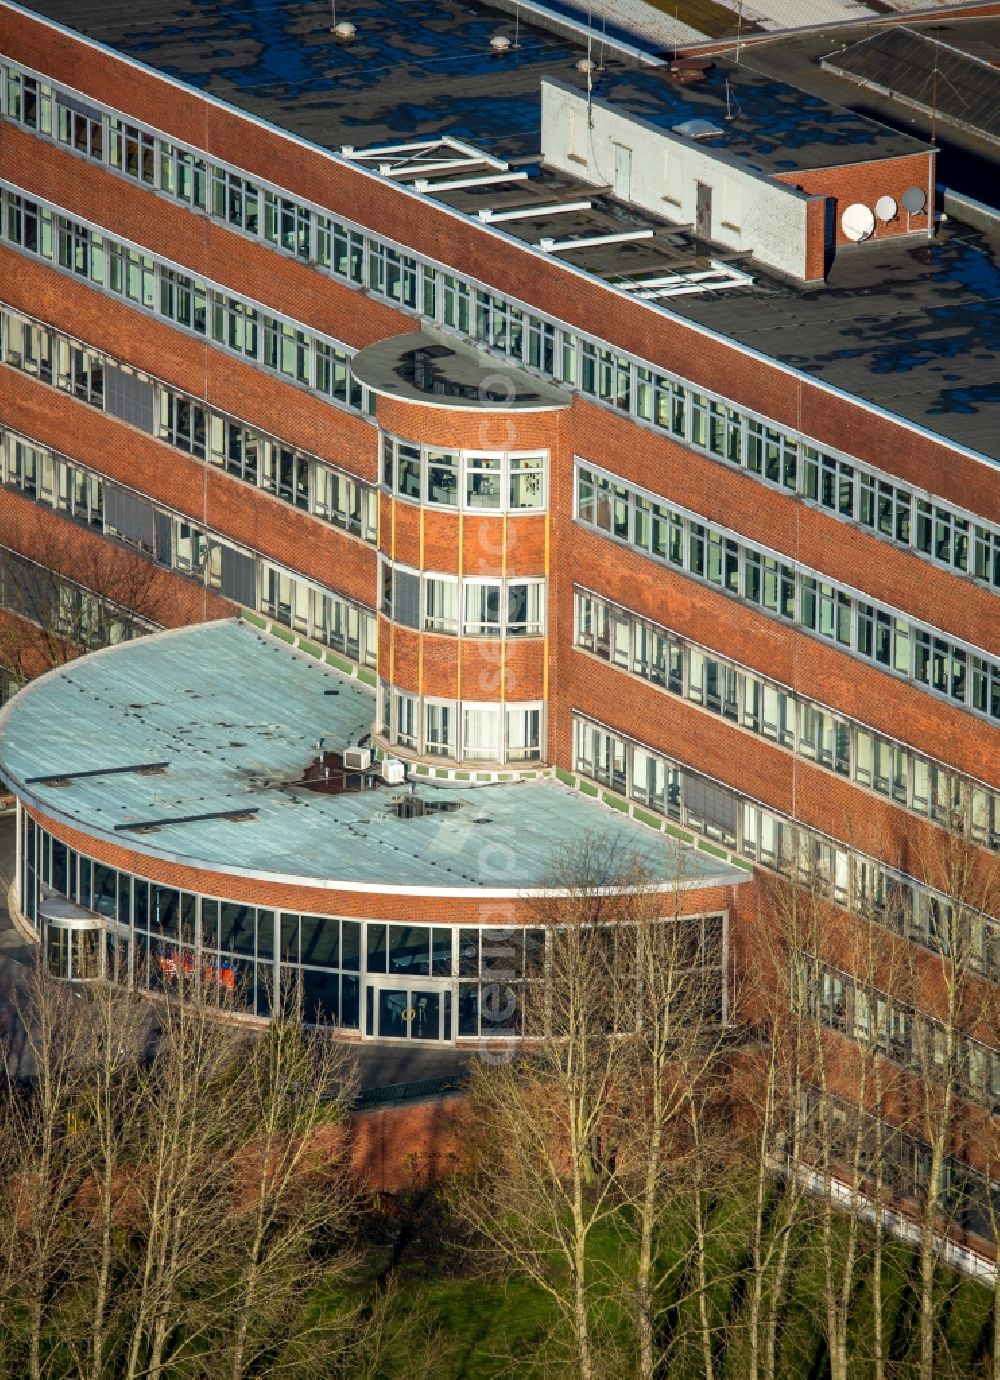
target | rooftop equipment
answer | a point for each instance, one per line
(392, 771)
(886, 208)
(857, 222)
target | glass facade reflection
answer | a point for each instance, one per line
(379, 979)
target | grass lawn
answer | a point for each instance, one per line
(480, 1328)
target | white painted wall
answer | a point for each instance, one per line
(750, 212)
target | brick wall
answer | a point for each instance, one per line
(189, 363)
(865, 183)
(815, 668)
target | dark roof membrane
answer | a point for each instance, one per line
(927, 73)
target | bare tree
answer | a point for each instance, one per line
(184, 1162)
(118, 1029)
(967, 884)
(670, 973)
(94, 595)
(543, 1179)
(293, 1189)
(774, 1116)
(43, 1167)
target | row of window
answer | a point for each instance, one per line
(491, 482)
(467, 606)
(234, 324)
(460, 731)
(787, 591)
(190, 425)
(682, 668)
(51, 480)
(850, 491)
(178, 544)
(85, 618)
(908, 1037)
(849, 878)
(901, 1162)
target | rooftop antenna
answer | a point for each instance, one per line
(935, 73)
(739, 30)
(590, 67)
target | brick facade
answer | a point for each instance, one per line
(547, 545)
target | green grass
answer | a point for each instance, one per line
(490, 1328)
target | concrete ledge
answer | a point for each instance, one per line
(968, 211)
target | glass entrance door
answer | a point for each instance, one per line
(397, 1011)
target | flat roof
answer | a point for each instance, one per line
(921, 70)
(913, 327)
(909, 325)
(426, 67)
(766, 124)
(435, 370)
(204, 734)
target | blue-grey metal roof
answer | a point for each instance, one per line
(236, 716)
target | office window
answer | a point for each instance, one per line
(483, 481)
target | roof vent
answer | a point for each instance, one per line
(698, 129)
(586, 65)
(344, 30)
(500, 43)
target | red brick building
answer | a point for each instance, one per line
(661, 452)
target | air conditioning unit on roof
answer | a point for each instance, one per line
(392, 771)
(357, 758)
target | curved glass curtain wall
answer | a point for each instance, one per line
(386, 980)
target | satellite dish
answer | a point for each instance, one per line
(857, 222)
(886, 208)
(914, 199)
